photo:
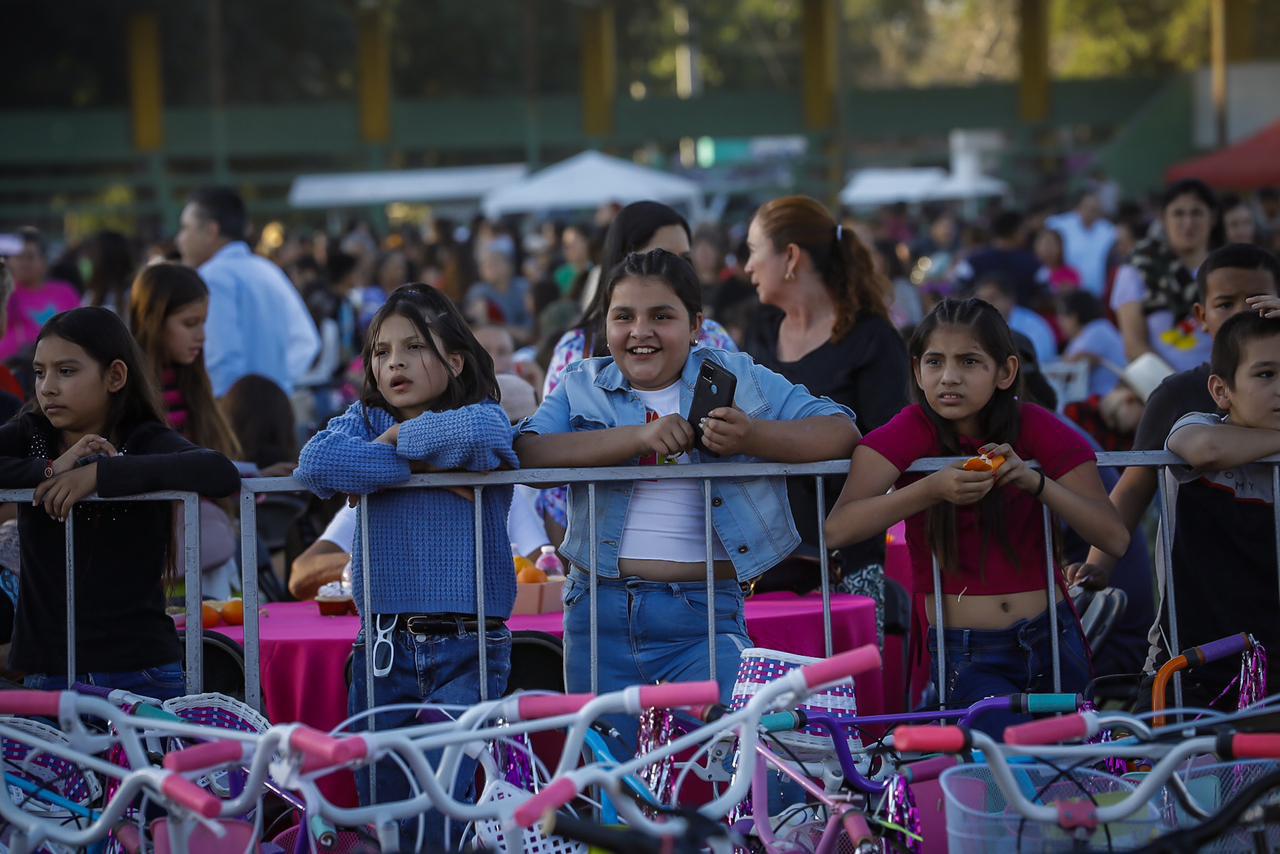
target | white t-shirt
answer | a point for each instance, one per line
(664, 518)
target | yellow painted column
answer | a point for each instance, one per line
(146, 83)
(1033, 61)
(819, 28)
(599, 70)
(373, 64)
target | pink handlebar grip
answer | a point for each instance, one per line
(550, 705)
(322, 749)
(1256, 745)
(550, 799)
(1048, 731)
(931, 739)
(187, 794)
(838, 667)
(928, 769)
(38, 703)
(211, 754)
(676, 694)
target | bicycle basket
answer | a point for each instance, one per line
(25, 761)
(1213, 785)
(759, 666)
(491, 833)
(980, 819)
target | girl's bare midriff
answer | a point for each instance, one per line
(673, 571)
(998, 611)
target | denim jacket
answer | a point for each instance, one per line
(751, 515)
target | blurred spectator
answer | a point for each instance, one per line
(262, 418)
(1155, 292)
(391, 270)
(35, 298)
(936, 251)
(1239, 224)
(726, 298)
(500, 296)
(1087, 238)
(11, 394)
(575, 247)
(1269, 213)
(258, 323)
(1054, 274)
(906, 308)
(1091, 338)
(1007, 256)
(1111, 419)
(498, 343)
(996, 289)
(111, 269)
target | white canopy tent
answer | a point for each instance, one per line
(885, 186)
(446, 184)
(588, 180)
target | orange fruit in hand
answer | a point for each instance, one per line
(233, 612)
(531, 575)
(984, 463)
(209, 616)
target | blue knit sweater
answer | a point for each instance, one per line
(422, 546)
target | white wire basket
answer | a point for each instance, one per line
(759, 666)
(493, 835)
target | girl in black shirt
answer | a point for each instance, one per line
(96, 426)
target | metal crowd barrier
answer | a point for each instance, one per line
(251, 488)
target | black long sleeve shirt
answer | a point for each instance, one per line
(122, 549)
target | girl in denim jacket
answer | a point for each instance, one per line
(429, 404)
(627, 409)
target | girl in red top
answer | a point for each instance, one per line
(984, 528)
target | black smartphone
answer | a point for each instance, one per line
(716, 388)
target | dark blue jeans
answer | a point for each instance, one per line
(992, 663)
(163, 683)
(442, 669)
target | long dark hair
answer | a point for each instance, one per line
(430, 311)
(112, 260)
(658, 264)
(631, 230)
(261, 415)
(998, 422)
(102, 335)
(837, 254)
(159, 292)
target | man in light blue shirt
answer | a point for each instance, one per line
(1000, 291)
(1087, 238)
(258, 322)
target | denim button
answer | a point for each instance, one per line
(743, 550)
(716, 502)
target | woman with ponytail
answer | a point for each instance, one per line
(824, 324)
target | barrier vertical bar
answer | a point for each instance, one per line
(249, 591)
(370, 636)
(1275, 512)
(711, 577)
(824, 567)
(480, 610)
(1053, 600)
(938, 632)
(71, 596)
(591, 584)
(1166, 551)
(194, 580)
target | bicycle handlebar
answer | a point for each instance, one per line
(676, 694)
(537, 706)
(932, 739)
(555, 795)
(43, 704)
(839, 667)
(187, 794)
(1051, 730)
(1217, 650)
(200, 757)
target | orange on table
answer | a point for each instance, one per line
(209, 616)
(232, 612)
(531, 575)
(984, 463)
(522, 563)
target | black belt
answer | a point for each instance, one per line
(441, 624)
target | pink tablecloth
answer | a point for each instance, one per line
(303, 655)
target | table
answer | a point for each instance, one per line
(303, 655)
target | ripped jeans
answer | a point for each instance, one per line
(651, 631)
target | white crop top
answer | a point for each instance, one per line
(664, 518)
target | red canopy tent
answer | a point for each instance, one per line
(1249, 164)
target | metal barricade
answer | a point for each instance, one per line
(191, 574)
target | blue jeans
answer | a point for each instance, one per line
(162, 683)
(444, 669)
(993, 663)
(651, 631)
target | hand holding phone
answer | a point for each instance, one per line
(715, 389)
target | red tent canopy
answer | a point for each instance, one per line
(1247, 165)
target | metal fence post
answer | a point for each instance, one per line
(366, 621)
(824, 568)
(591, 585)
(194, 591)
(708, 533)
(1053, 600)
(939, 640)
(249, 592)
(1166, 551)
(480, 609)
(71, 596)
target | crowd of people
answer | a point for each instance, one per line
(352, 361)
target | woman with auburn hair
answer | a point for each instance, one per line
(824, 324)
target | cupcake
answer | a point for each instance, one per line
(334, 600)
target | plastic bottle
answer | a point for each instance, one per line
(520, 561)
(549, 562)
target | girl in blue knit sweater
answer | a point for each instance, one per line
(429, 404)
